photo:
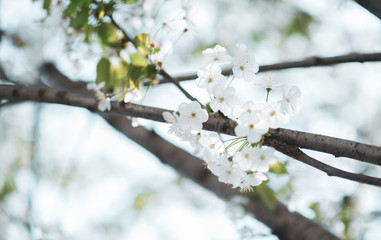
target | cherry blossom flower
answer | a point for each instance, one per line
(169, 117)
(212, 144)
(290, 103)
(225, 172)
(250, 108)
(192, 116)
(244, 65)
(250, 180)
(269, 83)
(255, 159)
(95, 87)
(132, 95)
(274, 115)
(225, 99)
(104, 103)
(251, 126)
(210, 77)
(217, 55)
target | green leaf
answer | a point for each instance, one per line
(142, 45)
(80, 18)
(72, 7)
(107, 33)
(316, 208)
(278, 168)
(47, 4)
(138, 60)
(299, 25)
(266, 195)
(141, 200)
(8, 187)
(103, 71)
(129, 1)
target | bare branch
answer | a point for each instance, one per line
(307, 62)
(335, 146)
(294, 152)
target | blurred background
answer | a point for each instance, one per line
(65, 173)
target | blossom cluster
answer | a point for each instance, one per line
(243, 162)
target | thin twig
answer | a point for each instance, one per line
(295, 152)
(165, 75)
(307, 62)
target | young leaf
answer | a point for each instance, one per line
(103, 71)
(138, 60)
(278, 168)
(142, 45)
(107, 33)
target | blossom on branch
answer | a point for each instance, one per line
(244, 65)
(210, 77)
(217, 55)
(224, 101)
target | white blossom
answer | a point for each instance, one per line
(274, 115)
(290, 103)
(210, 77)
(217, 55)
(95, 87)
(224, 101)
(192, 116)
(251, 126)
(225, 172)
(244, 65)
(212, 144)
(255, 159)
(169, 117)
(250, 108)
(269, 83)
(104, 104)
(250, 180)
(132, 95)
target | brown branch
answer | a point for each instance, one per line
(335, 146)
(134, 110)
(307, 62)
(165, 75)
(295, 152)
(373, 6)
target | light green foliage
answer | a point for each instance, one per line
(142, 45)
(278, 168)
(348, 207)
(46, 5)
(266, 195)
(315, 207)
(141, 200)
(7, 188)
(107, 34)
(299, 24)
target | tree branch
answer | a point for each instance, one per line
(307, 62)
(295, 152)
(165, 75)
(373, 6)
(213, 124)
